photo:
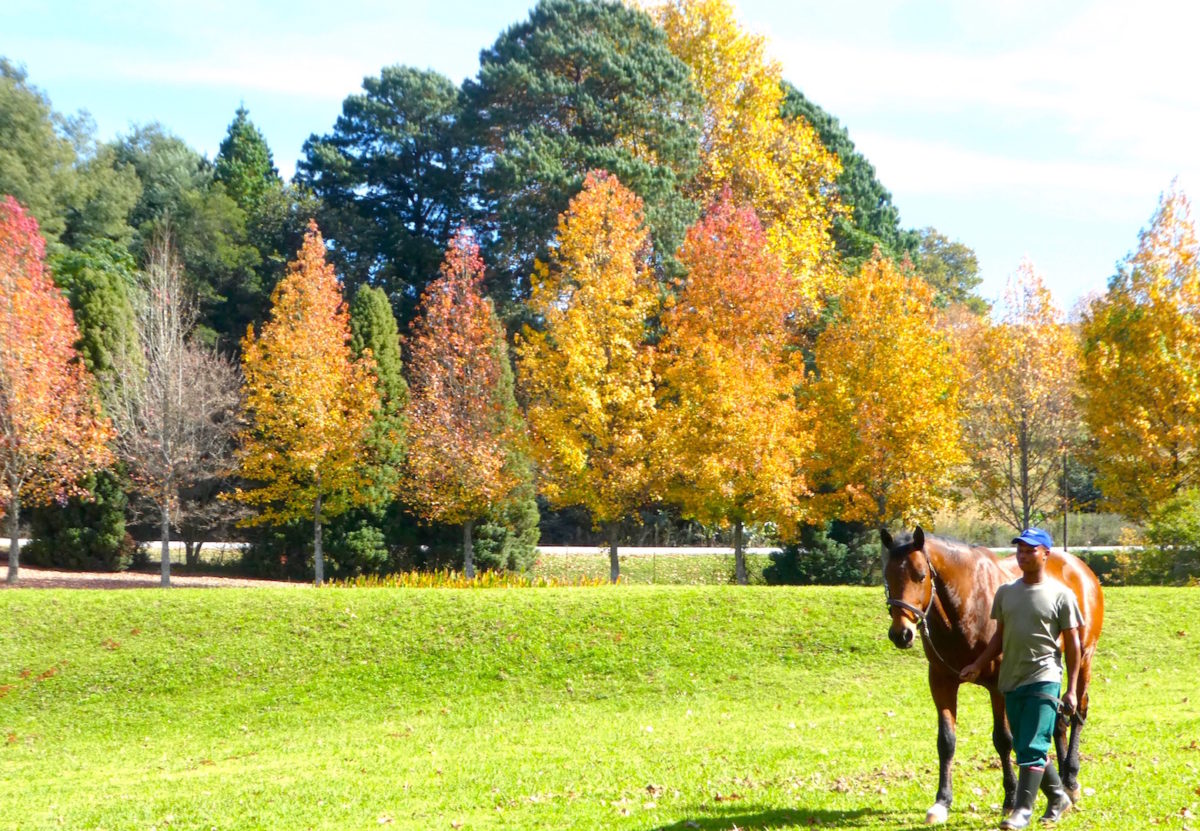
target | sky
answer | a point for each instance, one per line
(1024, 129)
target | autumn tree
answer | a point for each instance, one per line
(1140, 371)
(51, 431)
(730, 427)
(886, 394)
(464, 454)
(776, 165)
(586, 370)
(308, 403)
(176, 400)
(1019, 412)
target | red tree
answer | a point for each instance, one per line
(464, 427)
(51, 430)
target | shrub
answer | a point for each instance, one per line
(87, 534)
(1172, 553)
(834, 554)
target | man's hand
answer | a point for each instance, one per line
(1069, 703)
(970, 672)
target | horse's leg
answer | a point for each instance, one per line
(1070, 765)
(1002, 740)
(945, 698)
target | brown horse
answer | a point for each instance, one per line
(942, 591)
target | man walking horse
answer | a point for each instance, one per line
(978, 624)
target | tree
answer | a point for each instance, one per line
(36, 159)
(580, 85)
(1141, 367)
(870, 218)
(1019, 413)
(393, 181)
(244, 166)
(51, 431)
(373, 332)
(464, 455)
(730, 425)
(175, 402)
(951, 268)
(886, 396)
(775, 165)
(308, 403)
(587, 370)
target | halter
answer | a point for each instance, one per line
(922, 616)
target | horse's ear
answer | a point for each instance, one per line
(918, 537)
(885, 538)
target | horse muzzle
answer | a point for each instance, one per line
(902, 636)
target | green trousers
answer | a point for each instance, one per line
(1032, 710)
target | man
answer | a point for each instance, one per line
(1031, 613)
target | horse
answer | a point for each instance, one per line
(942, 590)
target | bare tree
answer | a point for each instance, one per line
(174, 407)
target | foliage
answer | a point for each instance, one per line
(778, 166)
(951, 268)
(1173, 537)
(1018, 410)
(308, 403)
(1141, 368)
(539, 702)
(587, 371)
(392, 178)
(831, 554)
(730, 430)
(464, 454)
(870, 219)
(373, 330)
(52, 433)
(580, 85)
(86, 533)
(447, 579)
(887, 394)
(244, 166)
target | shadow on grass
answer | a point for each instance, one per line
(717, 820)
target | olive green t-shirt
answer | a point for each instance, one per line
(1033, 617)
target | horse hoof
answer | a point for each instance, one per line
(937, 814)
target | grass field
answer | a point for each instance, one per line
(631, 707)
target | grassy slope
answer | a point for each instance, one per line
(630, 708)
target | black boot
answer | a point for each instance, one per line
(1059, 802)
(1028, 781)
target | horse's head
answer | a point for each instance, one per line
(908, 581)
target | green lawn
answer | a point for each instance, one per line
(624, 707)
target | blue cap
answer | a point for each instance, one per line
(1035, 537)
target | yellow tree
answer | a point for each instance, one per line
(777, 166)
(886, 396)
(51, 431)
(585, 370)
(1019, 414)
(1140, 372)
(730, 429)
(308, 403)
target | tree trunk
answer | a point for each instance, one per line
(166, 546)
(614, 564)
(14, 537)
(468, 550)
(318, 552)
(739, 553)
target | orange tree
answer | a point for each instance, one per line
(308, 403)
(731, 435)
(586, 370)
(51, 431)
(1019, 409)
(777, 166)
(888, 441)
(1140, 368)
(466, 435)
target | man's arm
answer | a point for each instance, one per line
(972, 670)
(1072, 650)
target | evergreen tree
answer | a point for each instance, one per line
(373, 327)
(244, 165)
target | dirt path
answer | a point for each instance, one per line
(44, 578)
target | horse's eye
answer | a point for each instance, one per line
(919, 575)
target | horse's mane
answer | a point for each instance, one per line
(956, 549)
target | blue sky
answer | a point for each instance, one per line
(1023, 128)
